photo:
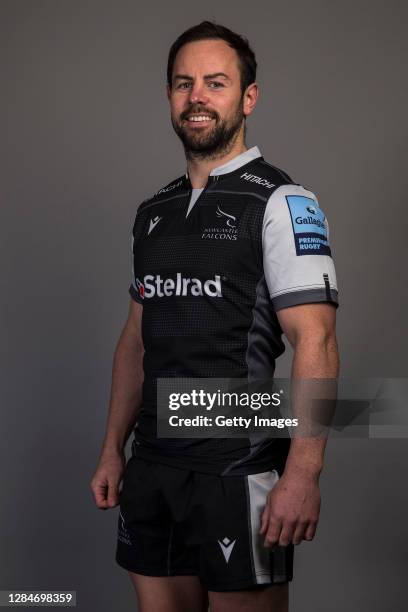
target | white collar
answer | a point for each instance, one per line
(237, 162)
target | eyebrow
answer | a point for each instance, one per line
(214, 75)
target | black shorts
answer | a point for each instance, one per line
(175, 522)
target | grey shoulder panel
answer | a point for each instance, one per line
(297, 258)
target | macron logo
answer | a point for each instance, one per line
(153, 223)
(226, 547)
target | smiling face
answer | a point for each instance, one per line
(206, 101)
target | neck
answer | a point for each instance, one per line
(199, 169)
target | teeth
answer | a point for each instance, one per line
(199, 118)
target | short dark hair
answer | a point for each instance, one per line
(208, 30)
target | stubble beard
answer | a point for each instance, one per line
(214, 143)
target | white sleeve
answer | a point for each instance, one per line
(297, 259)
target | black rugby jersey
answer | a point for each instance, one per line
(210, 278)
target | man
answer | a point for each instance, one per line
(226, 258)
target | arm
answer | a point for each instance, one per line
(293, 505)
(126, 393)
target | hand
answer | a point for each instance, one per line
(105, 481)
(292, 510)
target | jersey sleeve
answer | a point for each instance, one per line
(136, 288)
(297, 260)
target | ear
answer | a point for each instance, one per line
(250, 98)
(168, 91)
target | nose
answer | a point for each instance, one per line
(198, 93)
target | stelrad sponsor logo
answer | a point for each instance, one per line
(156, 286)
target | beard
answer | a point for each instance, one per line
(214, 142)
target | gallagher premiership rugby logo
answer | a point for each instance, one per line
(309, 226)
(226, 232)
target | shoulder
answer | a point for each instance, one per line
(293, 207)
(169, 191)
(279, 176)
(261, 178)
(291, 196)
(278, 181)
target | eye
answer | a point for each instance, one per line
(184, 85)
(215, 84)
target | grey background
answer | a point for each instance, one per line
(85, 138)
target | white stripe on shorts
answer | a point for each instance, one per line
(259, 486)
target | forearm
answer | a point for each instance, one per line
(126, 393)
(313, 359)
